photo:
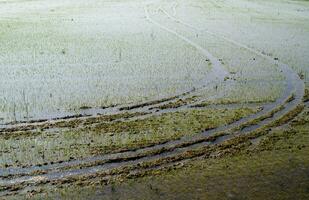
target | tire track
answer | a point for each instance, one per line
(293, 80)
(218, 71)
(176, 147)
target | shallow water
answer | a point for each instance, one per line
(59, 56)
(293, 86)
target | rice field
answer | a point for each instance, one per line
(94, 93)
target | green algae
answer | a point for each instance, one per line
(103, 137)
(229, 102)
(176, 104)
(306, 95)
(276, 166)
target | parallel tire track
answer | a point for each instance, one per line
(23, 178)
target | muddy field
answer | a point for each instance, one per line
(174, 99)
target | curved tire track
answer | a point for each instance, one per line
(173, 147)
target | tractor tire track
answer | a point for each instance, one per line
(172, 148)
